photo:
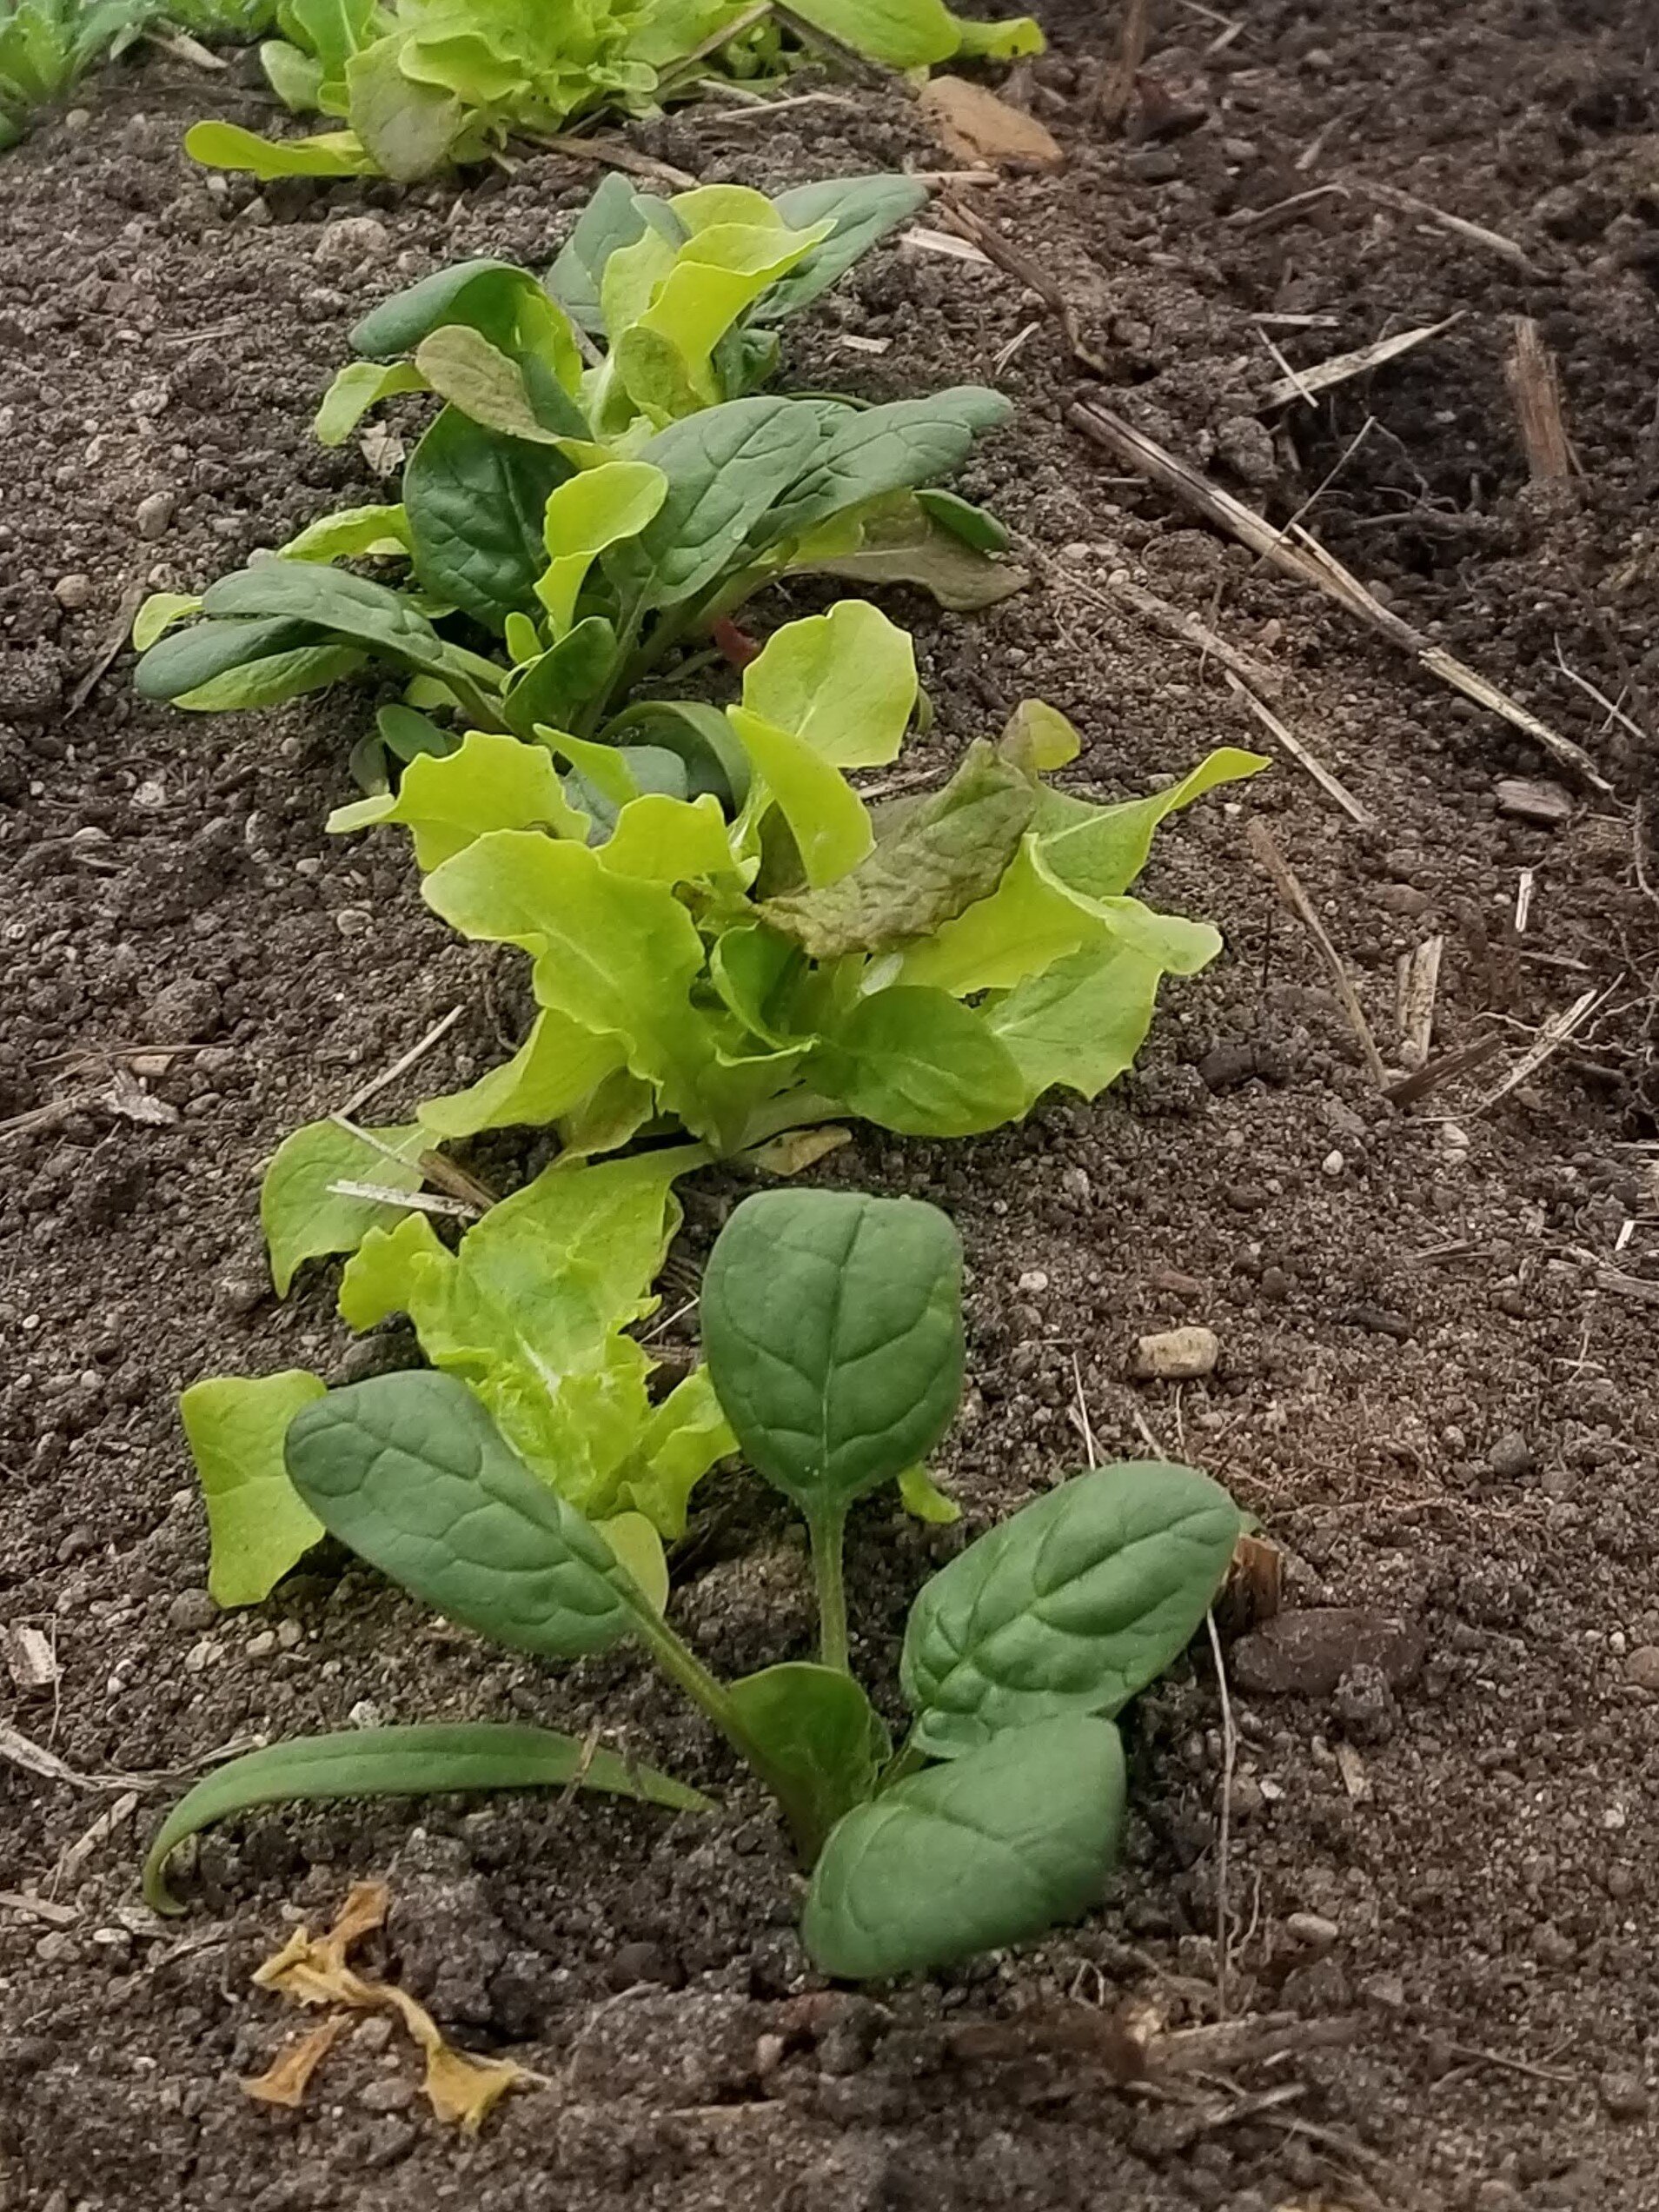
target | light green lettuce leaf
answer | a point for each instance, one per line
(843, 682)
(258, 1524)
(304, 1220)
(490, 782)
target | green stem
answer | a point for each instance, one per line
(789, 1110)
(907, 1759)
(682, 1666)
(827, 1529)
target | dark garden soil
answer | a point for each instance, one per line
(1436, 1383)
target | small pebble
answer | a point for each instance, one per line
(192, 1609)
(1033, 1280)
(364, 1714)
(1625, 2096)
(1512, 1456)
(155, 515)
(1313, 1931)
(394, 2094)
(262, 1646)
(73, 592)
(352, 921)
(1642, 1668)
(201, 1656)
(1332, 1164)
(288, 1634)
(1177, 1355)
(350, 239)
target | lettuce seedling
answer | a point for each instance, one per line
(423, 85)
(590, 518)
(533, 1311)
(726, 936)
(832, 1326)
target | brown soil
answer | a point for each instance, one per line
(1432, 1391)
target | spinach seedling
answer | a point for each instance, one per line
(834, 1338)
(603, 488)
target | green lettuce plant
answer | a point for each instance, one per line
(422, 85)
(48, 46)
(727, 938)
(592, 516)
(533, 1310)
(832, 1326)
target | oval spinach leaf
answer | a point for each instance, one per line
(821, 1733)
(1072, 1605)
(832, 1328)
(411, 1472)
(962, 1858)
(474, 500)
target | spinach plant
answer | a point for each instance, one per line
(48, 46)
(422, 85)
(589, 519)
(832, 1327)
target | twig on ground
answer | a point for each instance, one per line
(1419, 984)
(1301, 555)
(969, 224)
(1523, 890)
(1523, 2066)
(1116, 91)
(401, 1066)
(1303, 754)
(1446, 1069)
(921, 240)
(752, 111)
(1549, 1040)
(1175, 621)
(1260, 839)
(115, 638)
(1085, 1428)
(611, 153)
(1615, 712)
(1477, 233)
(1282, 210)
(1224, 1830)
(46, 1908)
(1534, 387)
(1303, 383)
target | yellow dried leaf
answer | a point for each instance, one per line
(286, 2080)
(974, 123)
(312, 1971)
(800, 1149)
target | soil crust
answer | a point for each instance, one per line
(1436, 1375)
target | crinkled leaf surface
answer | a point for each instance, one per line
(832, 1324)
(986, 1850)
(1072, 1605)
(616, 953)
(863, 453)
(946, 854)
(489, 782)
(532, 1311)
(917, 1061)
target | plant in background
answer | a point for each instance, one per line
(832, 1326)
(422, 85)
(48, 46)
(592, 514)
